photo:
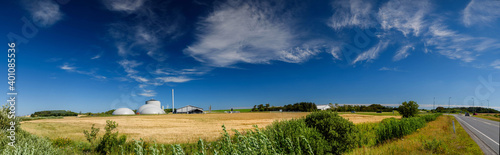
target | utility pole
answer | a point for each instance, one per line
(434, 103)
(488, 105)
(449, 101)
(473, 109)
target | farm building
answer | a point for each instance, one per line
(189, 109)
(123, 111)
(323, 107)
(151, 107)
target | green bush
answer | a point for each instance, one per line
(110, 141)
(393, 128)
(408, 109)
(341, 133)
(61, 142)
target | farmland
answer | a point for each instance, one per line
(179, 128)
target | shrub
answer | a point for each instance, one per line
(408, 109)
(393, 128)
(61, 142)
(92, 135)
(110, 141)
(339, 132)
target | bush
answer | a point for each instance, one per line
(61, 142)
(393, 128)
(408, 109)
(339, 132)
(110, 141)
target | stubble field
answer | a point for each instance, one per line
(178, 128)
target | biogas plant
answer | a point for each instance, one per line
(152, 106)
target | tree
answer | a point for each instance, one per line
(408, 109)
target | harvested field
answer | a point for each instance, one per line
(179, 128)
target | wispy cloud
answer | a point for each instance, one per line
(372, 53)
(249, 32)
(403, 52)
(389, 69)
(349, 13)
(96, 56)
(128, 6)
(71, 68)
(406, 16)
(458, 46)
(482, 12)
(179, 79)
(496, 64)
(44, 13)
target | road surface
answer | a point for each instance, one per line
(486, 131)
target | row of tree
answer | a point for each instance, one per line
(302, 106)
(465, 109)
(361, 108)
(54, 113)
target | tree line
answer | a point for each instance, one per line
(301, 106)
(54, 113)
(465, 109)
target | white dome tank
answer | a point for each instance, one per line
(123, 111)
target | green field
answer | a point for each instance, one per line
(240, 110)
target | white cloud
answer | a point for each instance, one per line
(250, 33)
(44, 13)
(179, 79)
(67, 67)
(481, 12)
(458, 46)
(406, 16)
(129, 66)
(496, 64)
(403, 52)
(388, 69)
(96, 56)
(128, 6)
(372, 53)
(350, 13)
(73, 69)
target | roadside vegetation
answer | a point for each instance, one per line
(490, 116)
(321, 132)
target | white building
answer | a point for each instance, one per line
(189, 109)
(323, 107)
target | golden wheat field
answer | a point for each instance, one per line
(178, 128)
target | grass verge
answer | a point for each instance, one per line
(493, 116)
(436, 137)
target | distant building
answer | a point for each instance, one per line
(323, 107)
(189, 109)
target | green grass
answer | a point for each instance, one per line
(374, 113)
(436, 137)
(37, 118)
(240, 110)
(493, 117)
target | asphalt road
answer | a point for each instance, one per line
(486, 131)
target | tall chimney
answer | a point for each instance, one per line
(173, 101)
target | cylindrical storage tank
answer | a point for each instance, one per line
(123, 111)
(152, 110)
(154, 102)
(146, 106)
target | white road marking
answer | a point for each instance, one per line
(478, 131)
(477, 119)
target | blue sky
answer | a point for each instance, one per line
(94, 56)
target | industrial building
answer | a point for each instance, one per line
(189, 109)
(323, 107)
